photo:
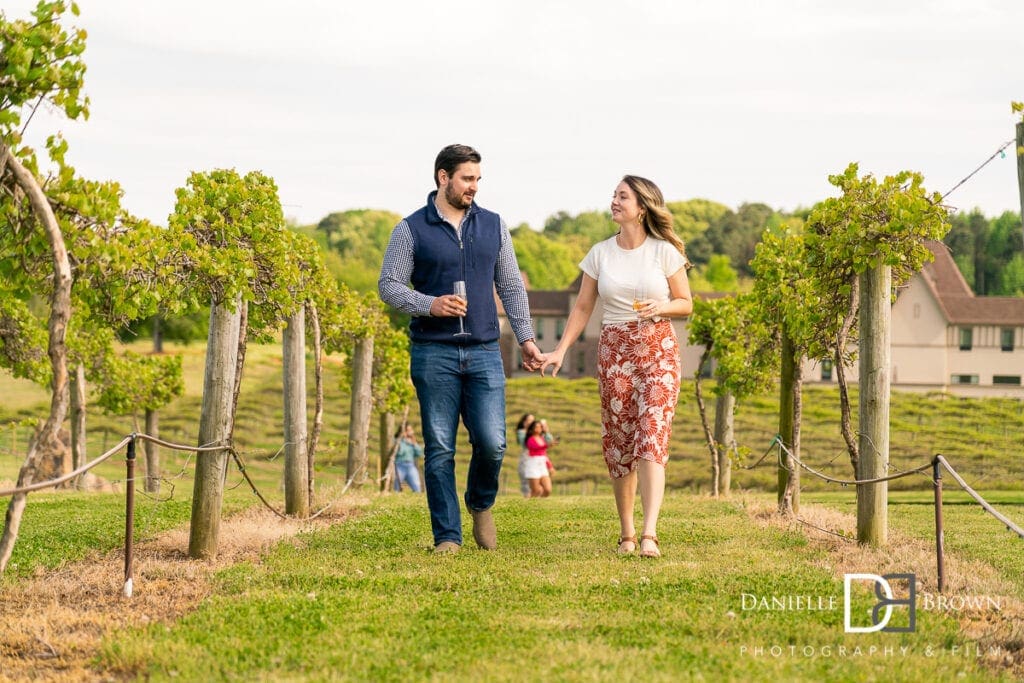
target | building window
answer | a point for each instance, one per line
(1006, 379)
(538, 328)
(1006, 339)
(559, 328)
(966, 338)
(964, 379)
(581, 363)
(826, 370)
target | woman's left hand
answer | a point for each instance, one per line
(649, 308)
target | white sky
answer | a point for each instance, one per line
(345, 104)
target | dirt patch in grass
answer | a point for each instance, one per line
(51, 625)
(993, 630)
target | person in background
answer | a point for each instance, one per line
(456, 255)
(640, 275)
(524, 423)
(407, 452)
(538, 466)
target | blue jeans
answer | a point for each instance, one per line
(406, 473)
(454, 380)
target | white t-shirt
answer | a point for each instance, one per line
(625, 274)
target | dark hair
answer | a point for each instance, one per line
(451, 156)
(401, 429)
(523, 424)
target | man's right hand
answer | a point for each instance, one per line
(448, 306)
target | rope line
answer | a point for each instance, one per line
(67, 477)
(241, 468)
(844, 482)
(824, 530)
(977, 497)
(767, 452)
(1010, 525)
(205, 448)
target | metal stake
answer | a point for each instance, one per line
(939, 533)
(129, 523)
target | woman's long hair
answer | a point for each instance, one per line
(657, 219)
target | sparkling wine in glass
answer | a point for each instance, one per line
(459, 290)
(639, 295)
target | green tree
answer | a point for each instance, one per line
(720, 275)
(548, 263)
(734, 234)
(40, 62)
(692, 219)
(1011, 279)
(359, 237)
(744, 347)
(875, 231)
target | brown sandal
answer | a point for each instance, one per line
(627, 539)
(650, 553)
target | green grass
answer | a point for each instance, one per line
(979, 436)
(968, 530)
(58, 529)
(367, 601)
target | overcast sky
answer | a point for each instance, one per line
(345, 104)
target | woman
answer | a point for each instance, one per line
(406, 453)
(538, 466)
(640, 275)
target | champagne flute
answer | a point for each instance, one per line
(459, 290)
(639, 295)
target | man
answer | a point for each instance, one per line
(455, 359)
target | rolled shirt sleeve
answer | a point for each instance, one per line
(395, 273)
(509, 284)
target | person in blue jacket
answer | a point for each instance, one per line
(407, 452)
(455, 361)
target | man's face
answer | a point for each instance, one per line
(460, 187)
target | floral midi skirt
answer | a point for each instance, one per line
(638, 375)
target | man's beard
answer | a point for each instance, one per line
(455, 199)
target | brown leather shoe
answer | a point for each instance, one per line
(446, 548)
(484, 532)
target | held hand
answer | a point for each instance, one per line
(448, 306)
(554, 360)
(532, 356)
(649, 308)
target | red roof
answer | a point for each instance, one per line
(958, 303)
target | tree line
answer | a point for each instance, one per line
(720, 242)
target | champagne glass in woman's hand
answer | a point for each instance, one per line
(639, 296)
(459, 290)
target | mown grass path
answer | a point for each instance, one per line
(365, 600)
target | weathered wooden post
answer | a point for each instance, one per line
(725, 406)
(214, 428)
(362, 405)
(296, 463)
(873, 444)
